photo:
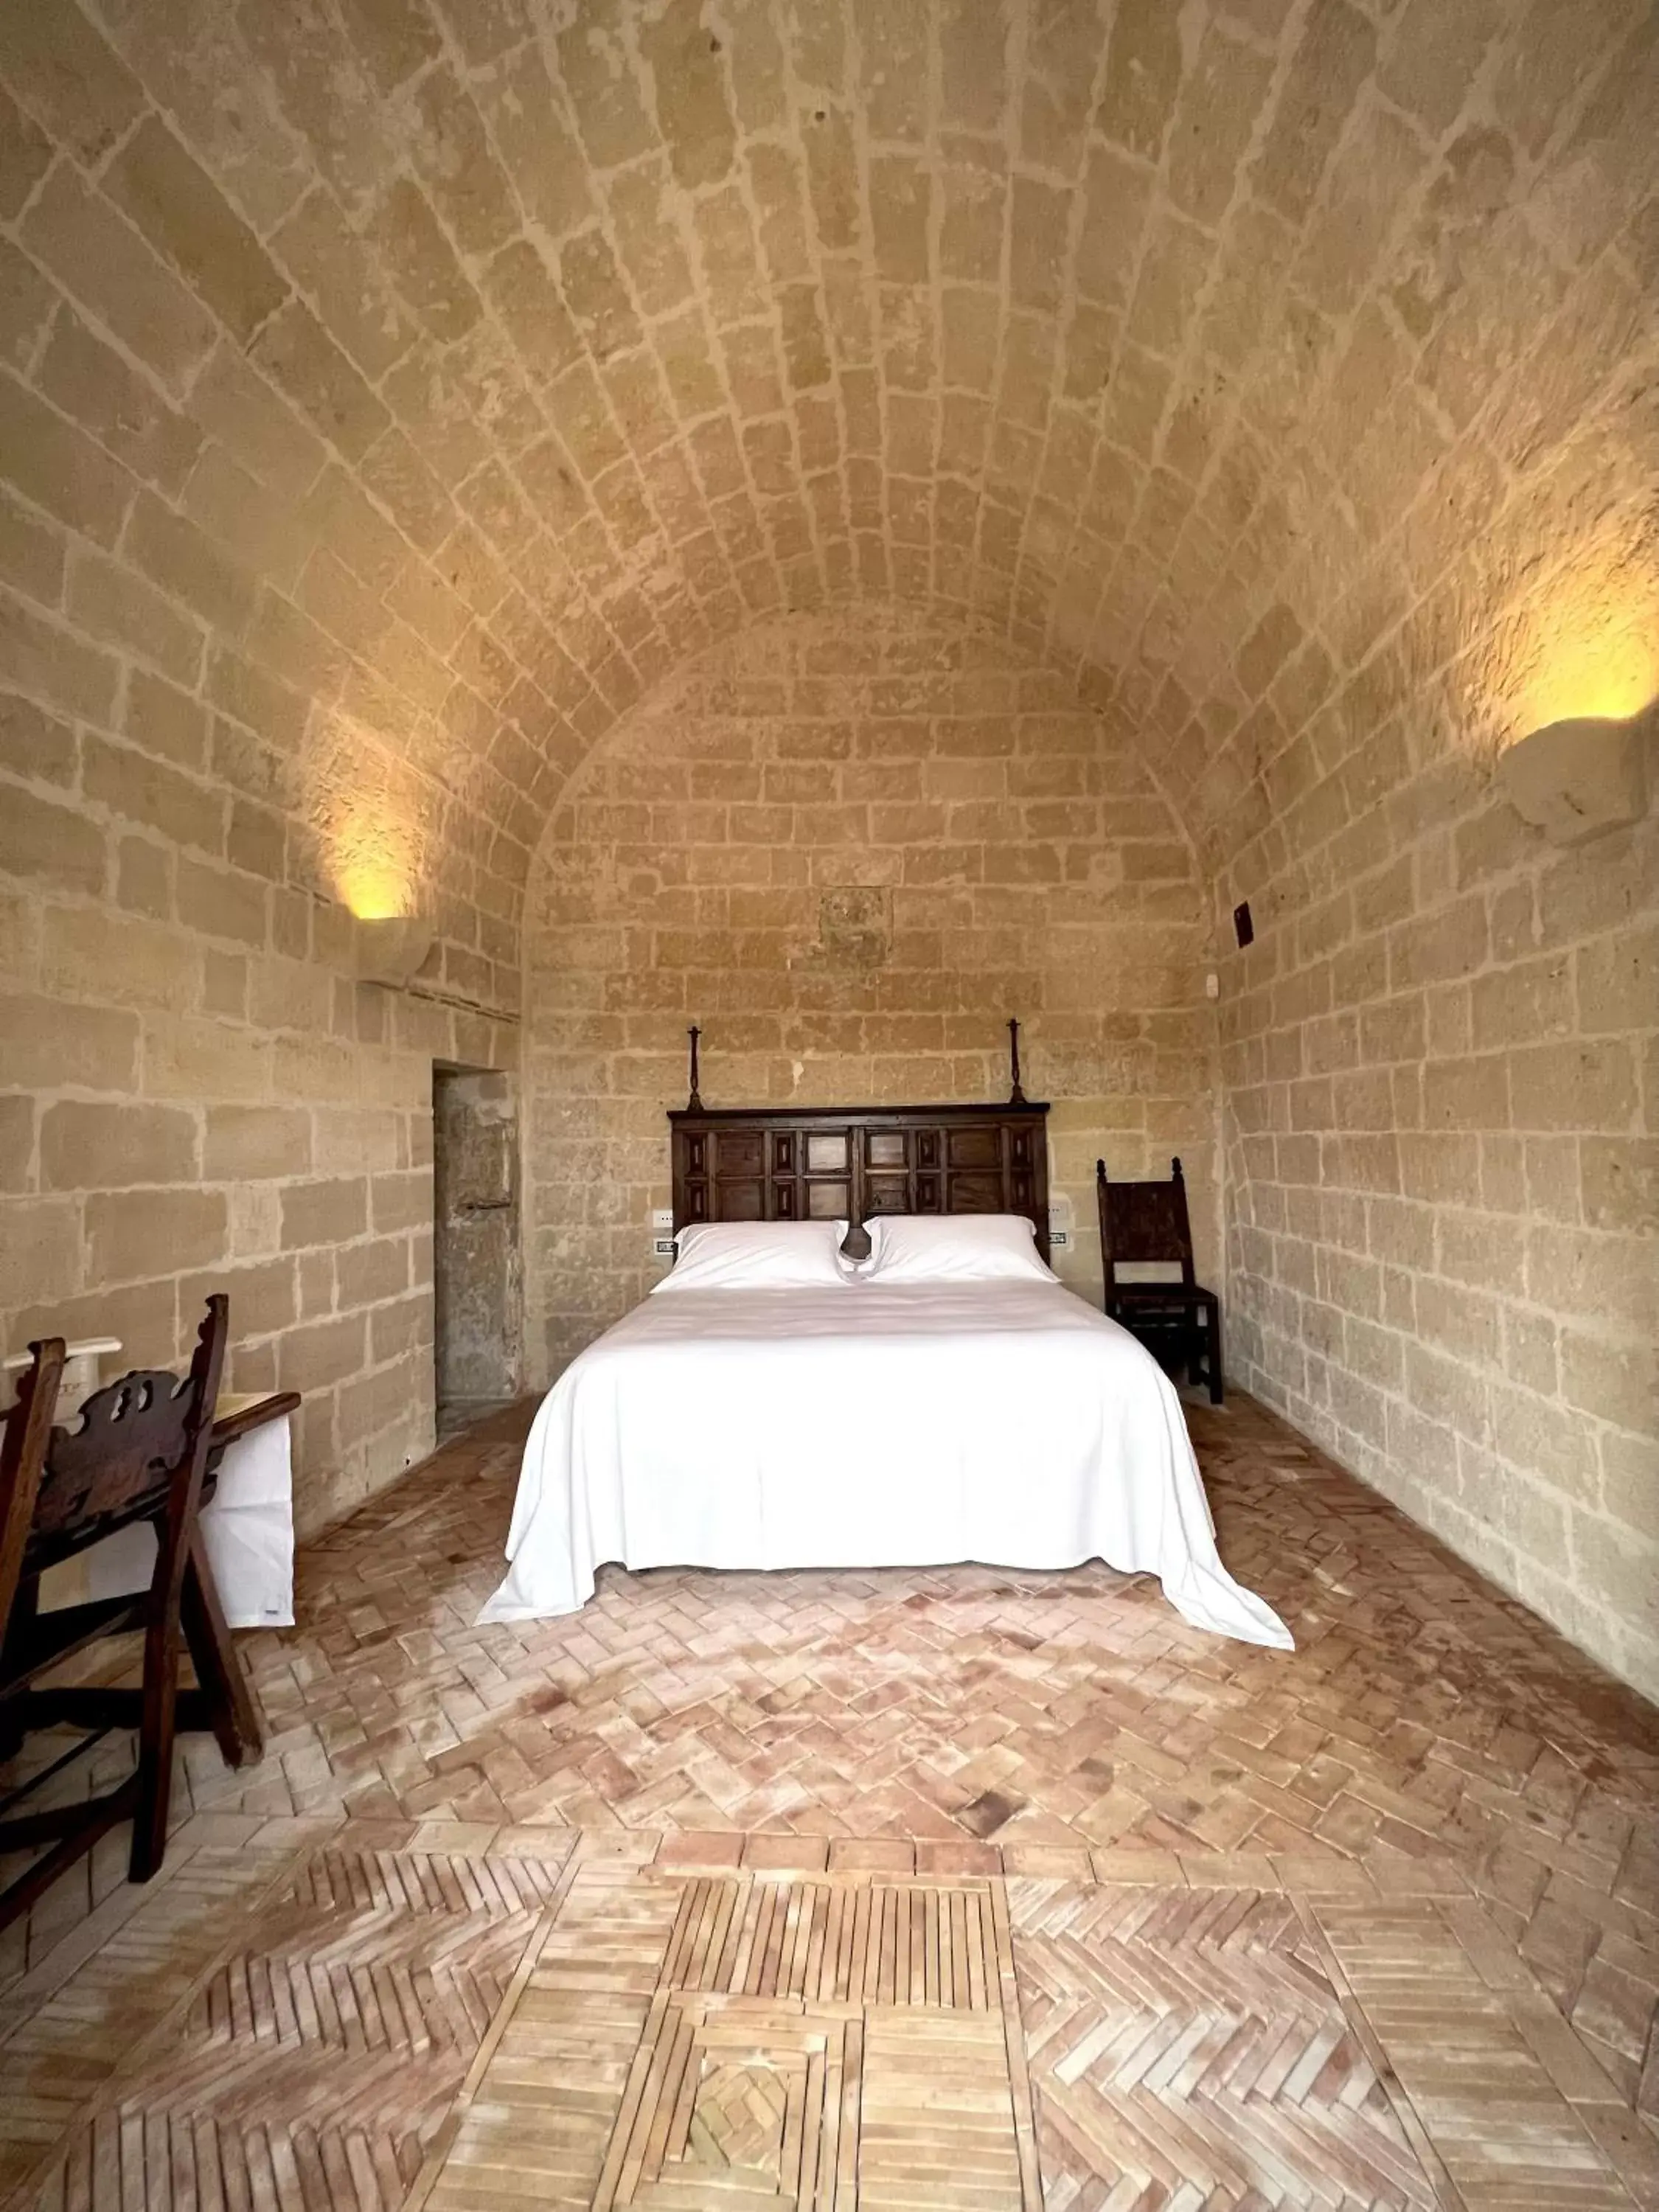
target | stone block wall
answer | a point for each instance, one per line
(393, 395)
(849, 847)
(199, 1096)
(242, 627)
(1441, 1058)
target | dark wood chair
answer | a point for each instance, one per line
(139, 1452)
(1179, 1322)
(23, 1436)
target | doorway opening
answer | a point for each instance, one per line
(477, 1273)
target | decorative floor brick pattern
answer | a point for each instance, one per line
(835, 2042)
(1423, 1714)
(1430, 1748)
(320, 2051)
(99, 1990)
(588, 2021)
(1192, 2038)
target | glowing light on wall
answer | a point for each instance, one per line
(375, 862)
(1607, 669)
(1581, 688)
(1588, 647)
(376, 876)
(375, 886)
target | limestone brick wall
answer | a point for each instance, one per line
(394, 393)
(229, 677)
(1441, 1096)
(849, 847)
(194, 1095)
(1442, 1080)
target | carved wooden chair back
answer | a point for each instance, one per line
(138, 1452)
(136, 1443)
(1143, 1221)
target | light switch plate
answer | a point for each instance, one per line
(663, 1217)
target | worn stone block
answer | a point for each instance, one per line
(319, 1353)
(179, 209)
(52, 463)
(137, 1235)
(245, 1143)
(220, 902)
(298, 354)
(46, 1045)
(99, 261)
(53, 846)
(324, 1212)
(91, 1148)
(72, 83)
(40, 1247)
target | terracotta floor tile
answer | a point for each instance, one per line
(1429, 1740)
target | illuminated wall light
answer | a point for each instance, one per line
(371, 818)
(1582, 681)
(392, 948)
(376, 869)
(373, 871)
(1576, 778)
(374, 891)
(1593, 666)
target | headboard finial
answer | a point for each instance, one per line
(1015, 1095)
(694, 1102)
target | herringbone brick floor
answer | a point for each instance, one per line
(588, 2021)
(1430, 1768)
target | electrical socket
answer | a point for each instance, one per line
(662, 1248)
(1058, 1238)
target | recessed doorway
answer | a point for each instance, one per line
(476, 1268)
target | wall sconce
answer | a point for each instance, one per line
(1575, 779)
(392, 948)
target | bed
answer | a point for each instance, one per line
(867, 1422)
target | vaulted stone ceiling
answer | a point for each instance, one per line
(466, 367)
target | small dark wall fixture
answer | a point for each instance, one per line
(1243, 927)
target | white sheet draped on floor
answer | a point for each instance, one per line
(1006, 1423)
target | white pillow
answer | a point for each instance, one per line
(954, 1248)
(745, 1256)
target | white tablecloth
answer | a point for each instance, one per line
(248, 1530)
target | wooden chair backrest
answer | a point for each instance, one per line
(1143, 1221)
(136, 1440)
(23, 1435)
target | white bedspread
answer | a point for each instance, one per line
(1007, 1423)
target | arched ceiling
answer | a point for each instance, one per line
(1248, 360)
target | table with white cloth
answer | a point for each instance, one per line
(247, 1523)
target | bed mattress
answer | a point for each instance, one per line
(1007, 1423)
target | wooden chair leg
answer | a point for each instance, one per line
(24, 1609)
(155, 1740)
(1212, 1333)
(234, 1715)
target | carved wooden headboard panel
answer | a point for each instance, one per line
(849, 1163)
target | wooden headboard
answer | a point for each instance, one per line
(848, 1163)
